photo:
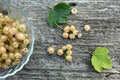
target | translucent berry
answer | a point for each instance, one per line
(64, 48)
(4, 66)
(69, 46)
(66, 29)
(20, 36)
(4, 56)
(72, 28)
(2, 50)
(65, 35)
(50, 50)
(3, 38)
(60, 52)
(15, 44)
(8, 61)
(80, 35)
(87, 27)
(18, 55)
(13, 31)
(6, 30)
(68, 58)
(69, 52)
(11, 55)
(75, 32)
(22, 27)
(26, 41)
(74, 11)
(72, 36)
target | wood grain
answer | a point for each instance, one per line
(104, 18)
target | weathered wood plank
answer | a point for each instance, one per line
(104, 18)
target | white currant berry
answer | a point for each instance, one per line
(6, 30)
(75, 32)
(15, 44)
(4, 56)
(69, 52)
(23, 27)
(11, 55)
(25, 50)
(71, 36)
(80, 35)
(65, 35)
(68, 58)
(26, 41)
(4, 66)
(3, 38)
(60, 52)
(87, 27)
(2, 50)
(74, 11)
(20, 36)
(8, 61)
(13, 31)
(64, 48)
(69, 46)
(72, 28)
(18, 55)
(50, 50)
(66, 29)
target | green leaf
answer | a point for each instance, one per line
(101, 59)
(58, 14)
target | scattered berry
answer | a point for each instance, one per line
(66, 29)
(65, 35)
(50, 50)
(72, 36)
(69, 52)
(79, 35)
(69, 46)
(72, 28)
(64, 48)
(68, 58)
(75, 32)
(87, 27)
(60, 52)
(74, 11)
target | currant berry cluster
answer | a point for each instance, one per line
(65, 50)
(13, 41)
(70, 32)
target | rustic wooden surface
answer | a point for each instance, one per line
(104, 18)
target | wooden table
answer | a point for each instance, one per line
(104, 18)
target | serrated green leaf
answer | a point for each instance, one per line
(58, 14)
(101, 59)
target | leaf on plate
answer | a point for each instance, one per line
(101, 59)
(58, 14)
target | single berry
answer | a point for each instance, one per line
(23, 27)
(18, 55)
(60, 52)
(20, 36)
(11, 55)
(87, 27)
(4, 56)
(65, 35)
(50, 50)
(66, 29)
(69, 52)
(2, 50)
(71, 36)
(75, 32)
(64, 48)
(72, 28)
(8, 61)
(80, 35)
(68, 58)
(69, 46)
(74, 11)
